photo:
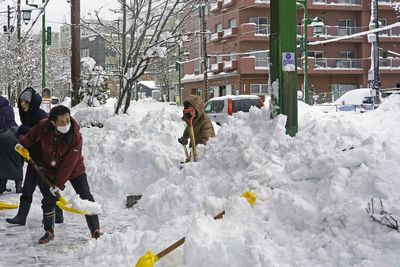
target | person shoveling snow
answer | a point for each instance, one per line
(61, 144)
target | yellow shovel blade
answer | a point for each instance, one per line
(4, 206)
(63, 204)
(147, 260)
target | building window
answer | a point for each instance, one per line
(232, 57)
(261, 59)
(218, 28)
(85, 52)
(110, 52)
(231, 23)
(258, 89)
(261, 24)
(347, 54)
(197, 66)
(110, 67)
(346, 26)
(338, 90)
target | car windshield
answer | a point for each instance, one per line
(245, 104)
(214, 106)
(55, 101)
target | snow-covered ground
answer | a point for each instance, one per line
(312, 191)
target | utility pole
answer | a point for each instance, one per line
(8, 22)
(43, 48)
(19, 20)
(123, 38)
(178, 66)
(75, 51)
(373, 73)
(284, 66)
(205, 56)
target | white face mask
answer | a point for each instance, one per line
(64, 129)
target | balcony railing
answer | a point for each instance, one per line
(389, 63)
(226, 3)
(215, 36)
(338, 63)
(391, 33)
(334, 31)
(388, 2)
(230, 32)
(338, 2)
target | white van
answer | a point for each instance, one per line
(219, 108)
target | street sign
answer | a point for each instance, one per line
(288, 61)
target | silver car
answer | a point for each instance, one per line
(220, 108)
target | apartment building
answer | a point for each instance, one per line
(238, 48)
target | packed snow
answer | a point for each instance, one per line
(312, 191)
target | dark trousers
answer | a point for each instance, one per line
(80, 185)
(32, 179)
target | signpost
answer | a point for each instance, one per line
(283, 59)
(46, 100)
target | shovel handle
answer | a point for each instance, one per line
(182, 240)
(25, 153)
(193, 142)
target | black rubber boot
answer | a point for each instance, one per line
(23, 211)
(59, 215)
(48, 225)
(94, 225)
(18, 186)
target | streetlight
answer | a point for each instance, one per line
(318, 25)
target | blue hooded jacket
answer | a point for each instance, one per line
(7, 118)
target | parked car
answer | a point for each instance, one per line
(387, 92)
(357, 99)
(220, 108)
(55, 101)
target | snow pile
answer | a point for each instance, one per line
(131, 151)
(312, 190)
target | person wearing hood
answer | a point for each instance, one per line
(30, 114)
(11, 162)
(202, 125)
(61, 144)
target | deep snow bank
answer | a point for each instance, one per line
(312, 190)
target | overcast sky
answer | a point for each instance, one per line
(58, 11)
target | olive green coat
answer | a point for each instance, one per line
(202, 126)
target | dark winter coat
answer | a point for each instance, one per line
(30, 119)
(10, 161)
(202, 125)
(7, 118)
(33, 115)
(61, 153)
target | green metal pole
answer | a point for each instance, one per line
(284, 64)
(180, 76)
(305, 79)
(43, 49)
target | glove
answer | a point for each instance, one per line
(54, 190)
(183, 140)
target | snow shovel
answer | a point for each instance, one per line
(5, 206)
(148, 259)
(189, 112)
(62, 202)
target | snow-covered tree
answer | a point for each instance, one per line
(94, 89)
(21, 65)
(153, 28)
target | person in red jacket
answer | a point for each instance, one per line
(61, 143)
